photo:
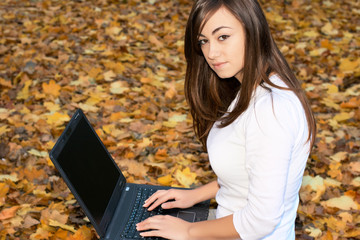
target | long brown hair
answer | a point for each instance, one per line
(208, 95)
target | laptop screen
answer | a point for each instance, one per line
(89, 168)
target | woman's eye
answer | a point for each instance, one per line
(202, 42)
(223, 37)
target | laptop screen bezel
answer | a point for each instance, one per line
(120, 185)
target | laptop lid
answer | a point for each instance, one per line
(89, 171)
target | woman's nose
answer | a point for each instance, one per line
(214, 50)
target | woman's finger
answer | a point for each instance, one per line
(158, 199)
(153, 197)
(150, 223)
(154, 233)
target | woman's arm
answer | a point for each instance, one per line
(182, 198)
(221, 228)
(174, 228)
(206, 191)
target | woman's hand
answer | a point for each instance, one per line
(164, 226)
(180, 199)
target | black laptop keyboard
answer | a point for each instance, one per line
(139, 214)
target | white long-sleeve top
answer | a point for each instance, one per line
(259, 160)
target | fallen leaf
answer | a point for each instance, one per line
(7, 213)
(51, 88)
(343, 203)
(313, 232)
(165, 180)
(24, 93)
(185, 177)
(339, 156)
(57, 119)
(109, 76)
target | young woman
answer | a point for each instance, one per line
(252, 117)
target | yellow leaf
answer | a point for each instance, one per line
(343, 203)
(4, 113)
(49, 214)
(88, 107)
(332, 89)
(178, 118)
(113, 30)
(11, 177)
(55, 223)
(311, 34)
(99, 48)
(145, 143)
(343, 116)
(3, 129)
(4, 189)
(329, 30)
(94, 72)
(165, 180)
(118, 67)
(316, 184)
(313, 232)
(329, 182)
(330, 103)
(185, 177)
(347, 65)
(109, 76)
(118, 87)
(24, 93)
(117, 116)
(169, 124)
(134, 167)
(52, 107)
(356, 182)
(57, 119)
(352, 233)
(317, 52)
(346, 217)
(38, 153)
(41, 233)
(339, 156)
(108, 128)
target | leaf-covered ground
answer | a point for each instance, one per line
(122, 62)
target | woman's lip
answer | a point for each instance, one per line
(218, 65)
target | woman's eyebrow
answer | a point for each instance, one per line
(215, 30)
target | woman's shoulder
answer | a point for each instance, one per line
(272, 102)
(270, 95)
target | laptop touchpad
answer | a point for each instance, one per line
(187, 216)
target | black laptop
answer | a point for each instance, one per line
(112, 205)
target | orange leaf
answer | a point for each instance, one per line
(83, 233)
(352, 103)
(5, 83)
(161, 154)
(153, 39)
(8, 212)
(51, 88)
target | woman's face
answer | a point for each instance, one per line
(222, 42)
